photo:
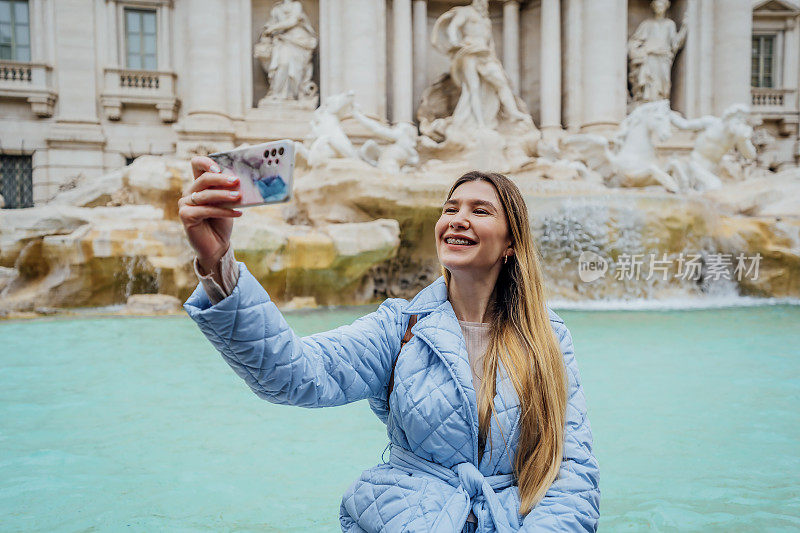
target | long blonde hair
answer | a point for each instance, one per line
(522, 339)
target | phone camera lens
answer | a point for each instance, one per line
(277, 161)
(274, 152)
(280, 151)
(266, 154)
(269, 161)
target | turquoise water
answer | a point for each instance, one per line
(108, 423)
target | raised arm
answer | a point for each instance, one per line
(331, 368)
(572, 503)
(454, 28)
(695, 124)
(384, 132)
(680, 36)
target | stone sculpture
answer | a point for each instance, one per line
(768, 152)
(634, 162)
(393, 158)
(285, 50)
(651, 50)
(327, 139)
(485, 99)
(718, 136)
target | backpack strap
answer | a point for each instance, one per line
(407, 337)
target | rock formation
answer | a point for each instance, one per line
(356, 233)
(87, 249)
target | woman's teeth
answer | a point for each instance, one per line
(451, 240)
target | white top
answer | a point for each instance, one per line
(476, 337)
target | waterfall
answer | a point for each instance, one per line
(643, 260)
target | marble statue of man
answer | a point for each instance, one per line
(651, 50)
(285, 50)
(464, 33)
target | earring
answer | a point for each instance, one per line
(505, 259)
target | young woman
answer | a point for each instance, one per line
(474, 377)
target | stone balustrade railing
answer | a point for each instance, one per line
(31, 82)
(13, 72)
(139, 87)
(139, 80)
(779, 104)
(767, 99)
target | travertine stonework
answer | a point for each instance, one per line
(82, 112)
(601, 171)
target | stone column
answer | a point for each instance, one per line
(733, 27)
(420, 66)
(363, 38)
(706, 71)
(573, 88)
(790, 57)
(330, 48)
(402, 58)
(74, 141)
(789, 124)
(75, 57)
(245, 63)
(550, 67)
(36, 15)
(206, 57)
(511, 41)
(686, 67)
(163, 35)
(604, 69)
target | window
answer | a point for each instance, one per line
(763, 61)
(15, 38)
(140, 39)
(16, 180)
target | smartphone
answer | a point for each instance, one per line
(264, 170)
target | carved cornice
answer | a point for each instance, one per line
(775, 9)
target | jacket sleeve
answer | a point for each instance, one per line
(335, 367)
(572, 503)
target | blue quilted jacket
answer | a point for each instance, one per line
(434, 476)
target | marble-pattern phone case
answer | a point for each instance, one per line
(264, 171)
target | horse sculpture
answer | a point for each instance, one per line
(629, 160)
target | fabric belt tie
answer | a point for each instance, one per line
(463, 476)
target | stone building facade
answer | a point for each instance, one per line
(87, 85)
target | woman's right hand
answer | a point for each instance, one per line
(208, 226)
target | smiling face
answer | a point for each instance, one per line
(472, 233)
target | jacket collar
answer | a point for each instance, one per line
(439, 329)
(428, 299)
